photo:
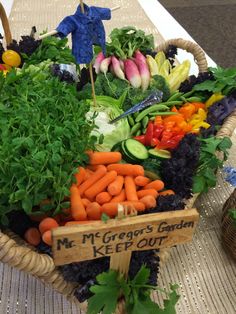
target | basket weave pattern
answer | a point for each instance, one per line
(228, 226)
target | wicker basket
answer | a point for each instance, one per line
(16, 253)
(228, 226)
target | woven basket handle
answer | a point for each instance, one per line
(189, 46)
(5, 24)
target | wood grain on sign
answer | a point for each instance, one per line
(152, 231)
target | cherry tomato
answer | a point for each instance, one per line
(12, 58)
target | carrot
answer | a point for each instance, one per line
(80, 175)
(47, 224)
(156, 184)
(149, 201)
(32, 236)
(104, 158)
(167, 192)
(93, 167)
(100, 185)
(82, 222)
(94, 211)
(141, 181)
(98, 174)
(85, 202)
(47, 237)
(120, 197)
(127, 169)
(130, 189)
(143, 193)
(77, 207)
(103, 197)
(111, 209)
(115, 187)
(88, 174)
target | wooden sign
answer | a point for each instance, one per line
(151, 231)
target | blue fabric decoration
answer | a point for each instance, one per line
(87, 30)
(231, 175)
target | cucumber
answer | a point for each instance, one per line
(135, 149)
(126, 156)
(159, 153)
(116, 147)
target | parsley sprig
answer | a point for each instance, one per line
(209, 163)
(111, 286)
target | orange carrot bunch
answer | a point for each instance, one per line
(100, 188)
(108, 184)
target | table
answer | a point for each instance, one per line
(203, 270)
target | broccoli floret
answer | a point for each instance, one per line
(159, 82)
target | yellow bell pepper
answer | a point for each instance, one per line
(214, 98)
(201, 124)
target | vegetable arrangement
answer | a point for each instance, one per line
(147, 145)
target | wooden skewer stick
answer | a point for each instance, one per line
(54, 32)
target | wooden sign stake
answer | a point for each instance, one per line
(121, 261)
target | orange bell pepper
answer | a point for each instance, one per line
(158, 120)
(187, 110)
(198, 105)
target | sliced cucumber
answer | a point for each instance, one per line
(135, 149)
(116, 147)
(159, 153)
(126, 154)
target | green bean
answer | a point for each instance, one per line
(166, 113)
(150, 109)
(135, 114)
(131, 121)
(138, 133)
(194, 99)
(152, 119)
(135, 128)
(183, 99)
(175, 96)
(145, 122)
(172, 103)
(186, 95)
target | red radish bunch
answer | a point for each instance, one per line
(135, 70)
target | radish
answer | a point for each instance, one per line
(132, 73)
(122, 65)
(111, 69)
(141, 62)
(139, 56)
(105, 64)
(98, 60)
(117, 68)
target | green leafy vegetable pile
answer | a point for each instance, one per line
(126, 40)
(136, 293)
(43, 137)
(209, 163)
(51, 48)
(224, 81)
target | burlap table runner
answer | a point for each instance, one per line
(205, 273)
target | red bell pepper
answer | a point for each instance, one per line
(158, 129)
(149, 134)
(140, 138)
